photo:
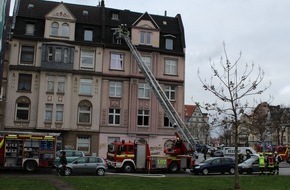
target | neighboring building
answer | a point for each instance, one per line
(69, 73)
(197, 123)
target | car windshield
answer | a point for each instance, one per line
(112, 148)
(208, 160)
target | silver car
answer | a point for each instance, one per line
(87, 165)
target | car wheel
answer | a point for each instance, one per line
(100, 172)
(174, 167)
(205, 171)
(68, 171)
(232, 171)
(128, 167)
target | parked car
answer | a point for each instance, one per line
(250, 165)
(217, 153)
(215, 165)
(87, 165)
(71, 155)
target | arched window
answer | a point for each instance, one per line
(84, 112)
(22, 109)
(54, 29)
(65, 30)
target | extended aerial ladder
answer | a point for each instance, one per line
(181, 129)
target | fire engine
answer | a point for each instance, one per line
(28, 150)
(131, 156)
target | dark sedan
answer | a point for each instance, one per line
(215, 165)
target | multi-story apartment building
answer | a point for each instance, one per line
(68, 73)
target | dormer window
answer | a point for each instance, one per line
(115, 16)
(145, 38)
(29, 29)
(169, 44)
(54, 29)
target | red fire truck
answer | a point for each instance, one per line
(130, 156)
(28, 150)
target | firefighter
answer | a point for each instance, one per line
(262, 164)
(278, 159)
(248, 155)
(270, 164)
(240, 157)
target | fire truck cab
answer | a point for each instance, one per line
(28, 150)
(130, 156)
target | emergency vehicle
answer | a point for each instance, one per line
(28, 150)
(131, 156)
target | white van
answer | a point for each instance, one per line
(230, 151)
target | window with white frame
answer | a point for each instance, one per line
(29, 29)
(171, 66)
(24, 82)
(50, 84)
(84, 144)
(88, 35)
(86, 86)
(114, 116)
(145, 38)
(143, 118)
(170, 92)
(54, 29)
(117, 61)
(84, 112)
(147, 61)
(48, 112)
(60, 84)
(115, 89)
(143, 90)
(22, 109)
(59, 113)
(27, 54)
(87, 59)
(57, 54)
(169, 44)
(65, 30)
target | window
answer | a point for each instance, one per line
(115, 89)
(54, 29)
(84, 144)
(169, 44)
(170, 92)
(24, 82)
(86, 86)
(143, 118)
(87, 59)
(114, 116)
(60, 84)
(48, 112)
(27, 54)
(88, 35)
(147, 61)
(59, 113)
(115, 16)
(167, 122)
(57, 54)
(143, 90)
(29, 29)
(65, 30)
(22, 109)
(117, 61)
(170, 67)
(50, 84)
(145, 38)
(84, 112)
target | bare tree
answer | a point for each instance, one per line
(231, 87)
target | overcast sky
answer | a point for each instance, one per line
(260, 29)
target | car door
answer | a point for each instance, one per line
(215, 165)
(92, 165)
(226, 165)
(80, 165)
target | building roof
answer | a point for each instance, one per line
(189, 110)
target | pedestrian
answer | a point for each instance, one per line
(63, 162)
(278, 160)
(262, 164)
(248, 155)
(204, 151)
(240, 157)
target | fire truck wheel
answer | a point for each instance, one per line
(30, 165)
(174, 167)
(100, 172)
(128, 167)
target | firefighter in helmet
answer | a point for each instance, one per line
(270, 164)
(262, 164)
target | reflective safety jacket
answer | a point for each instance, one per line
(261, 161)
